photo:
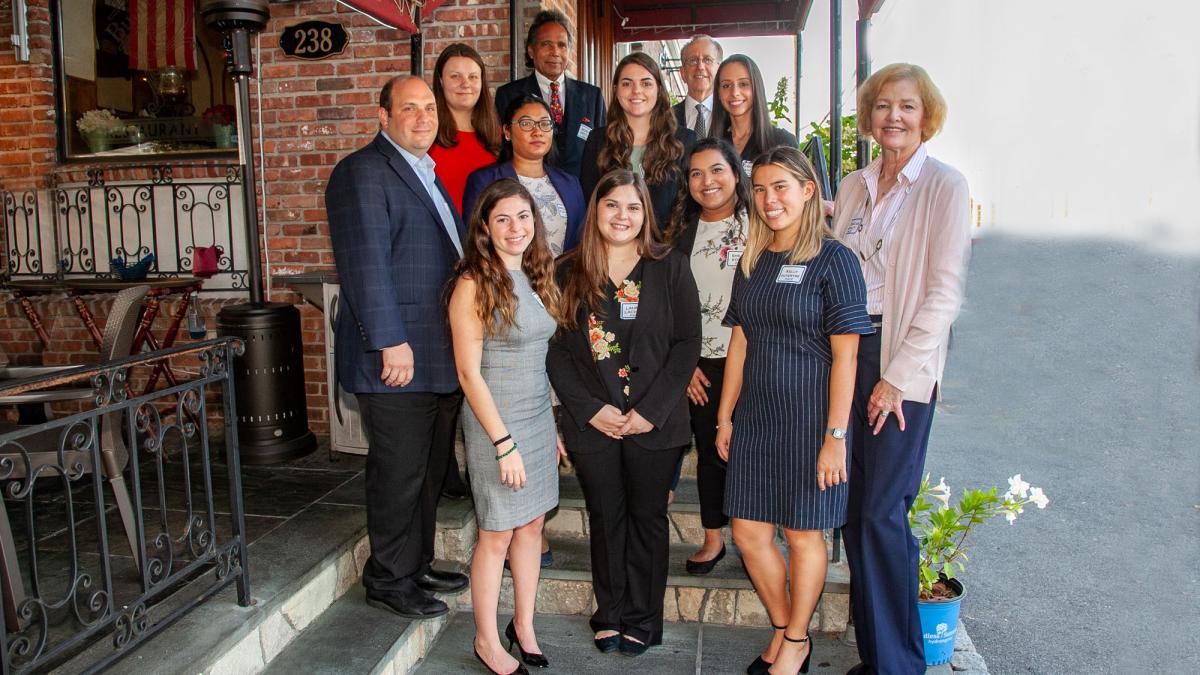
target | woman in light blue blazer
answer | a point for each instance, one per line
(527, 156)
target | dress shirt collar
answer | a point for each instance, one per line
(544, 84)
(908, 175)
(423, 165)
(690, 104)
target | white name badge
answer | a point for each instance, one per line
(629, 310)
(856, 225)
(791, 274)
(539, 300)
(584, 132)
(733, 255)
(747, 166)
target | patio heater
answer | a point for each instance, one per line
(272, 418)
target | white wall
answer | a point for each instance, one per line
(1069, 118)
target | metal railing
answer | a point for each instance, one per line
(70, 592)
(90, 215)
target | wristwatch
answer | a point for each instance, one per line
(837, 432)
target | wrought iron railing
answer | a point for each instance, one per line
(86, 582)
(88, 216)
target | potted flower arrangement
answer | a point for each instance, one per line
(942, 530)
(97, 126)
(222, 118)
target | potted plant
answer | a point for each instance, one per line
(941, 530)
(97, 126)
(222, 117)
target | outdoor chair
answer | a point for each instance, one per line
(42, 449)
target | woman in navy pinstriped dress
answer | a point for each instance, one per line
(797, 309)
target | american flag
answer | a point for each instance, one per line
(162, 33)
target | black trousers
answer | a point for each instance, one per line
(411, 437)
(625, 487)
(885, 473)
(710, 468)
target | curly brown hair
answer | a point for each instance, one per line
(589, 261)
(663, 151)
(494, 299)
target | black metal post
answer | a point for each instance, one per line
(516, 54)
(835, 92)
(862, 28)
(799, 41)
(416, 50)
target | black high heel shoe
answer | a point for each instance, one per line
(808, 656)
(704, 567)
(519, 671)
(532, 660)
(762, 666)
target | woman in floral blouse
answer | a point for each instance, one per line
(621, 364)
(709, 225)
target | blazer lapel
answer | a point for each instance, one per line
(507, 170)
(410, 178)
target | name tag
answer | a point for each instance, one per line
(629, 310)
(734, 255)
(856, 225)
(538, 300)
(584, 132)
(747, 165)
(791, 274)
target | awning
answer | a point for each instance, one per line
(680, 19)
(393, 13)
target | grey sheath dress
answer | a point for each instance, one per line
(514, 367)
(788, 313)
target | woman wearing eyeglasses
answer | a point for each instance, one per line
(906, 215)
(528, 142)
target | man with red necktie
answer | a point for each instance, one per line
(577, 107)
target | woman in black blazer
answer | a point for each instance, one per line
(641, 136)
(620, 365)
(740, 114)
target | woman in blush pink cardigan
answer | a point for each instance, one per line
(906, 216)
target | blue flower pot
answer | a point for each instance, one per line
(939, 625)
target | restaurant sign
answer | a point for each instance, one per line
(313, 40)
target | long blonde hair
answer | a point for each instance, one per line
(813, 230)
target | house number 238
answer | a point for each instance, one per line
(313, 41)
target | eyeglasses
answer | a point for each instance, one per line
(878, 245)
(528, 123)
(693, 61)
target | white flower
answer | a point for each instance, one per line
(1011, 517)
(941, 492)
(1038, 497)
(1018, 487)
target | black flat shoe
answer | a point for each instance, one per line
(435, 581)
(702, 568)
(859, 669)
(532, 660)
(407, 605)
(761, 666)
(808, 656)
(519, 671)
(632, 647)
(607, 644)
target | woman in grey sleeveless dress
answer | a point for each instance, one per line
(502, 318)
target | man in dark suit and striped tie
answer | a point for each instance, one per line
(701, 57)
(577, 107)
(396, 237)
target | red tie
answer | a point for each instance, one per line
(556, 109)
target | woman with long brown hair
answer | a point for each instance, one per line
(502, 314)
(741, 115)
(798, 308)
(641, 136)
(628, 345)
(468, 134)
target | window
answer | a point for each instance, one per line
(139, 78)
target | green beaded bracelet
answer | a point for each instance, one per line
(506, 453)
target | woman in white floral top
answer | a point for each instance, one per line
(709, 225)
(621, 364)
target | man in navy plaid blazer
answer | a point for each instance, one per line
(396, 239)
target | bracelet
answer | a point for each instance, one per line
(725, 424)
(506, 453)
(498, 441)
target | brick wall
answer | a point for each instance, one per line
(313, 114)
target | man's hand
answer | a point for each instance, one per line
(397, 365)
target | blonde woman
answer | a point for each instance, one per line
(797, 310)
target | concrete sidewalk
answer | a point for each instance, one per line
(687, 649)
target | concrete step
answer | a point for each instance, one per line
(570, 520)
(687, 649)
(353, 637)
